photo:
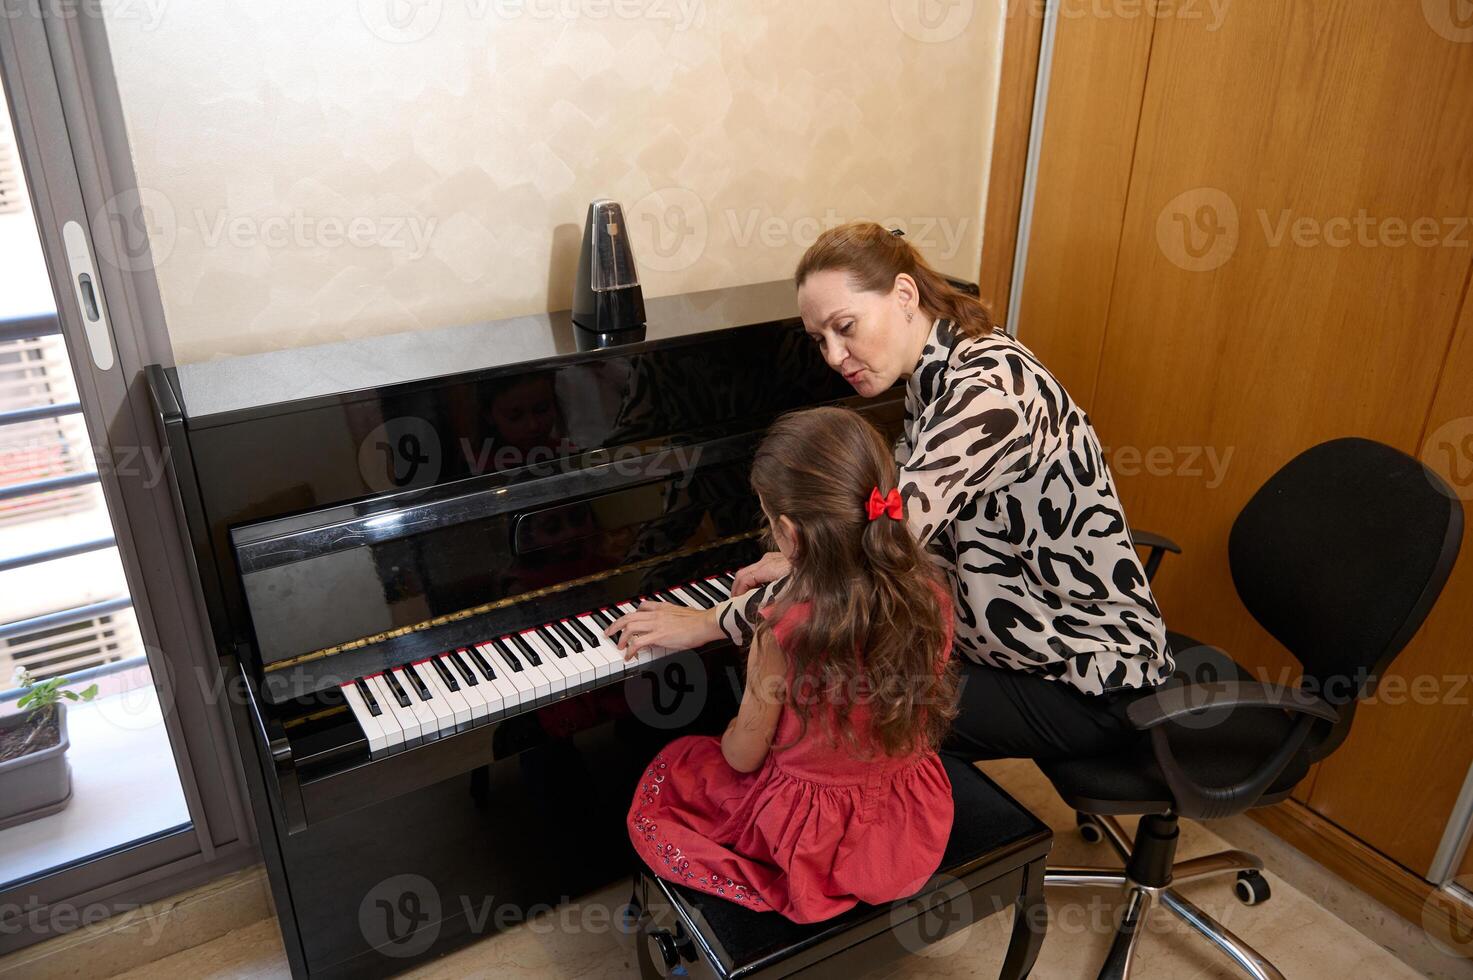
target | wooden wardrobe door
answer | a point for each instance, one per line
(1267, 294)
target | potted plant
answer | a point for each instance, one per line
(34, 776)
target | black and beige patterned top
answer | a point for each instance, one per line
(1005, 484)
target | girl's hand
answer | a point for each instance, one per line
(660, 624)
(769, 568)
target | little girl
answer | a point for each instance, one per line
(826, 789)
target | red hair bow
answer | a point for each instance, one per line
(879, 506)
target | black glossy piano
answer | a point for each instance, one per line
(408, 548)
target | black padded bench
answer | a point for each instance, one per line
(994, 860)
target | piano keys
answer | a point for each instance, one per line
(453, 691)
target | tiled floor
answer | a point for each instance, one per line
(1299, 935)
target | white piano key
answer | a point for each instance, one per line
(567, 675)
(549, 679)
(462, 705)
(405, 716)
(377, 741)
(439, 704)
(429, 722)
(606, 653)
(525, 687)
(393, 733)
(445, 700)
(474, 691)
(586, 665)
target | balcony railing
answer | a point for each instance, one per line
(35, 376)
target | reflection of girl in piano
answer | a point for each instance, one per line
(826, 789)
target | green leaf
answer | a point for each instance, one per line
(89, 693)
(70, 696)
(26, 699)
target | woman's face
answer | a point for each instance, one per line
(862, 335)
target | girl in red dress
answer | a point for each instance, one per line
(826, 789)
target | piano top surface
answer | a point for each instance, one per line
(255, 381)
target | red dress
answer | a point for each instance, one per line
(810, 834)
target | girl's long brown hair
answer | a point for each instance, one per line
(873, 257)
(878, 624)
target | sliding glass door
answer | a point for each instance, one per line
(119, 780)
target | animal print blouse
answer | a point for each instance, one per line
(1005, 484)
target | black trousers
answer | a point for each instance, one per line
(1007, 714)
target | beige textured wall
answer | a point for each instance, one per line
(316, 171)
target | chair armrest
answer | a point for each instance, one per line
(1180, 702)
(1159, 545)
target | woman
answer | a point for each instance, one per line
(1004, 483)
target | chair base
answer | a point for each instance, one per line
(1147, 879)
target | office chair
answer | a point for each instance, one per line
(1340, 557)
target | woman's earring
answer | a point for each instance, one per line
(910, 315)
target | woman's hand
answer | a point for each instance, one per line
(661, 624)
(769, 568)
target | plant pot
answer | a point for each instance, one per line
(37, 783)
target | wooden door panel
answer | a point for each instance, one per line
(1084, 174)
(1414, 744)
(1239, 326)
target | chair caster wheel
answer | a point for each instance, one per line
(1251, 888)
(1088, 829)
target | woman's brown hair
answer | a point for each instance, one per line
(878, 623)
(873, 257)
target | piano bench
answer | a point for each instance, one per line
(994, 860)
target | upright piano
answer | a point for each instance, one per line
(408, 547)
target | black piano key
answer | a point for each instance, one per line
(545, 635)
(727, 579)
(696, 594)
(584, 632)
(363, 692)
(420, 687)
(569, 638)
(706, 590)
(507, 655)
(399, 693)
(481, 663)
(446, 678)
(602, 618)
(527, 651)
(670, 597)
(457, 659)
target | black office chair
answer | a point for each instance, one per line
(1340, 556)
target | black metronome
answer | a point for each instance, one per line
(608, 305)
